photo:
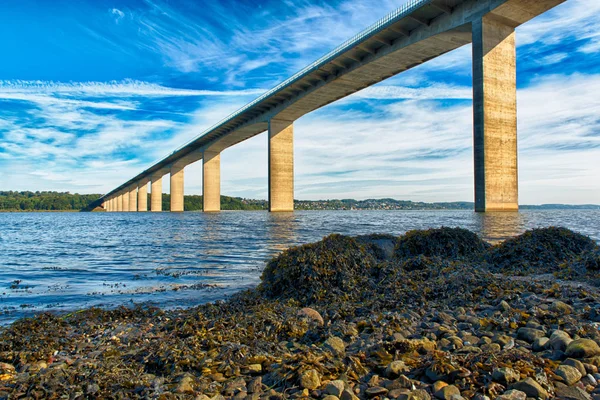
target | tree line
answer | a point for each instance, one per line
(65, 201)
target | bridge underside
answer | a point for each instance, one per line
(434, 28)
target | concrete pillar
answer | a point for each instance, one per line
(281, 165)
(211, 181)
(156, 194)
(110, 204)
(120, 202)
(126, 200)
(177, 188)
(133, 198)
(142, 196)
(495, 116)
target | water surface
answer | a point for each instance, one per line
(67, 261)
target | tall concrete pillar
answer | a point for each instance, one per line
(126, 200)
(211, 181)
(142, 196)
(495, 116)
(133, 198)
(281, 165)
(156, 194)
(177, 188)
(111, 204)
(120, 202)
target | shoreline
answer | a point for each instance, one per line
(436, 313)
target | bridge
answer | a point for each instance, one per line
(417, 32)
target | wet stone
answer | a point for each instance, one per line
(395, 369)
(335, 388)
(376, 391)
(447, 392)
(505, 375)
(529, 334)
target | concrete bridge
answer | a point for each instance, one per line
(417, 32)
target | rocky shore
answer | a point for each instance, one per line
(436, 314)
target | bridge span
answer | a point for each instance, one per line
(417, 32)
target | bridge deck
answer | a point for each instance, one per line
(417, 32)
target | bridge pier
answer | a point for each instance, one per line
(156, 194)
(177, 188)
(142, 196)
(495, 116)
(126, 200)
(211, 181)
(119, 203)
(281, 165)
(133, 198)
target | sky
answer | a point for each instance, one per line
(93, 92)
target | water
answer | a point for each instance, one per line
(67, 261)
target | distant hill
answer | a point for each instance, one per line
(65, 201)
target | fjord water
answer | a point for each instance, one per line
(68, 261)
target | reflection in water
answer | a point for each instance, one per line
(282, 230)
(497, 226)
(64, 261)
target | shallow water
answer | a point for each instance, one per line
(68, 261)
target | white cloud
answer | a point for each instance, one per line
(125, 88)
(118, 14)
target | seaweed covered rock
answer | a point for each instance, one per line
(381, 246)
(454, 243)
(539, 251)
(334, 266)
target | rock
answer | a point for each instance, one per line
(336, 345)
(447, 392)
(504, 306)
(439, 385)
(331, 397)
(395, 369)
(491, 347)
(559, 340)
(569, 374)
(571, 393)
(589, 380)
(562, 308)
(311, 314)
(577, 364)
(310, 379)
(582, 348)
(376, 391)
(348, 395)
(397, 393)
(255, 385)
(185, 385)
(335, 388)
(531, 388)
(512, 395)
(254, 369)
(529, 334)
(505, 375)
(92, 388)
(419, 394)
(540, 344)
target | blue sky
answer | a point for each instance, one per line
(93, 92)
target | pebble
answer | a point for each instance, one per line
(310, 379)
(395, 369)
(446, 392)
(512, 395)
(311, 314)
(335, 388)
(531, 388)
(336, 346)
